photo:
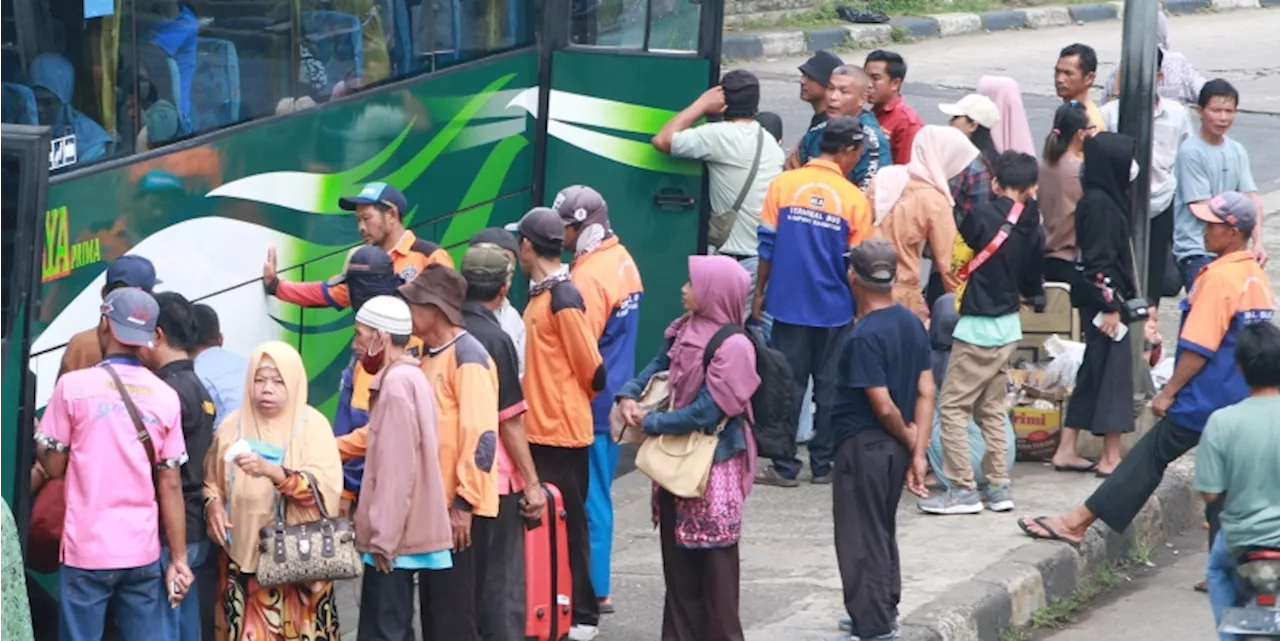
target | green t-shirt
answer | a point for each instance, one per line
(1239, 455)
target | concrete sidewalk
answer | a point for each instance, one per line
(793, 42)
(964, 577)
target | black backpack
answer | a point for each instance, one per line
(774, 403)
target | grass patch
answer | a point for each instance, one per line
(1064, 610)
(825, 14)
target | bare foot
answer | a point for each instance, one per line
(1105, 468)
(1052, 528)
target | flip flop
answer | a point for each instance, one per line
(1076, 468)
(1102, 475)
(1201, 586)
(1043, 522)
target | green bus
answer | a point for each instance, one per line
(198, 133)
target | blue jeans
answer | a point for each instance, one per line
(183, 622)
(604, 463)
(1220, 576)
(135, 595)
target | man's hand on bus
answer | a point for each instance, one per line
(270, 279)
(712, 100)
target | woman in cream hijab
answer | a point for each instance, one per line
(286, 437)
(913, 206)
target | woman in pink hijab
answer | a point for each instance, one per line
(1013, 132)
(700, 535)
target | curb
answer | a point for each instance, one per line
(945, 25)
(1007, 594)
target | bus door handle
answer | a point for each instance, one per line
(674, 199)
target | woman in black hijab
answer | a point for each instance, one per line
(1103, 398)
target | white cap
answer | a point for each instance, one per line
(386, 313)
(975, 107)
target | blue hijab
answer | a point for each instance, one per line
(55, 74)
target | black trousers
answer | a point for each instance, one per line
(809, 352)
(386, 606)
(569, 469)
(1159, 244)
(701, 603)
(447, 598)
(1119, 498)
(500, 590)
(870, 470)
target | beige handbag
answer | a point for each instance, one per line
(655, 398)
(323, 550)
(680, 463)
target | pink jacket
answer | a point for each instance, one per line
(402, 507)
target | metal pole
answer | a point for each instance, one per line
(1137, 110)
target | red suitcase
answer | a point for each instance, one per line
(548, 584)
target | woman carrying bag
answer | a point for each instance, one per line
(700, 534)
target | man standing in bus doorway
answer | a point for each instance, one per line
(129, 270)
(609, 281)
(846, 95)
(565, 371)
(741, 159)
(380, 210)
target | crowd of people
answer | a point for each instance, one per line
(844, 258)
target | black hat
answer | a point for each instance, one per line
(843, 131)
(820, 66)
(741, 94)
(874, 262)
(542, 226)
(496, 236)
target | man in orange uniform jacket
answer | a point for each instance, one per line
(380, 210)
(563, 371)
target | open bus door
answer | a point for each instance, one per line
(613, 72)
(24, 183)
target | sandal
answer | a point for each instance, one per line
(1076, 468)
(1050, 533)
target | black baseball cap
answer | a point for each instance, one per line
(376, 194)
(843, 131)
(820, 66)
(542, 226)
(496, 236)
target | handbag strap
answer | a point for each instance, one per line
(138, 425)
(751, 175)
(980, 258)
(281, 500)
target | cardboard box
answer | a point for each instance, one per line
(1058, 317)
(1038, 431)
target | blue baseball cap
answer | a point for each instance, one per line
(376, 194)
(132, 315)
(132, 270)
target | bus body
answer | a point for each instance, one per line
(490, 109)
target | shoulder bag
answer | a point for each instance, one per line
(980, 258)
(320, 550)
(680, 463)
(654, 398)
(136, 417)
(721, 224)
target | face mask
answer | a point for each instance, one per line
(372, 359)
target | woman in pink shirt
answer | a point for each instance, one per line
(287, 438)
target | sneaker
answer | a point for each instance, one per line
(583, 632)
(846, 625)
(954, 501)
(770, 476)
(999, 498)
(821, 479)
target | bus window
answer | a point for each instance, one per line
(608, 23)
(245, 61)
(464, 30)
(68, 76)
(673, 25)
